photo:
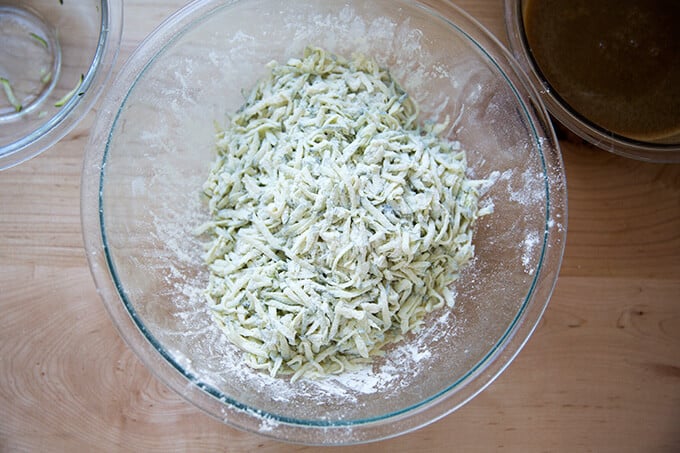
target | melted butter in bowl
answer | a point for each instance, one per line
(615, 62)
(610, 70)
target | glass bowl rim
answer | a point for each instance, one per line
(73, 111)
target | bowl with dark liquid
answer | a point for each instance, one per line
(607, 70)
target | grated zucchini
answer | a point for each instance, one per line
(337, 222)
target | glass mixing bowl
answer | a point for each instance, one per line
(55, 59)
(153, 143)
(666, 149)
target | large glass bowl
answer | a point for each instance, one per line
(150, 151)
(55, 59)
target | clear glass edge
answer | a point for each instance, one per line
(74, 110)
(298, 431)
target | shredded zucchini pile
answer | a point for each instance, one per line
(337, 222)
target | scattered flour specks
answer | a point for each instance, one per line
(268, 424)
(531, 242)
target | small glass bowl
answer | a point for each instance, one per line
(151, 148)
(667, 150)
(55, 59)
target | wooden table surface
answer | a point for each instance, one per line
(601, 373)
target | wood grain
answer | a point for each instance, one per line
(601, 373)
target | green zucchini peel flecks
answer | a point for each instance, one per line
(70, 94)
(9, 93)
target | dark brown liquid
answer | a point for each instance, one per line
(616, 62)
